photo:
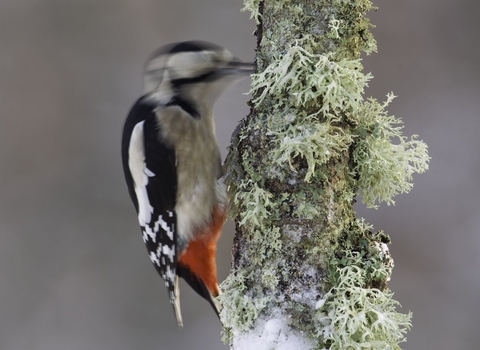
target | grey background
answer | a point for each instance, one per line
(73, 269)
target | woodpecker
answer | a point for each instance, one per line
(172, 163)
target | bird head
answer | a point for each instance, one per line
(194, 71)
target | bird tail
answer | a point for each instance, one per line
(212, 299)
(198, 286)
(176, 303)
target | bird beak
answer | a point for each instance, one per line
(236, 66)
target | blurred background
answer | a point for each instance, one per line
(74, 273)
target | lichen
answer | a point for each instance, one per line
(255, 202)
(334, 92)
(352, 316)
(242, 308)
(253, 7)
(299, 78)
(359, 311)
(312, 142)
(385, 160)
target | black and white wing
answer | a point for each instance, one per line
(150, 172)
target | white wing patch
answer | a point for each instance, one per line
(140, 174)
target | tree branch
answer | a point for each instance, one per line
(307, 274)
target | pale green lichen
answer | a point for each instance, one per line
(385, 159)
(354, 317)
(267, 243)
(358, 312)
(335, 26)
(253, 7)
(299, 78)
(242, 309)
(255, 202)
(303, 207)
(359, 245)
(384, 168)
(242, 305)
(269, 277)
(311, 143)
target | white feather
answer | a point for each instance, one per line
(176, 304)
(140, 174)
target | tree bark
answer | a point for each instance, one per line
(306, 273)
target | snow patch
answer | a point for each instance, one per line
(273, 333)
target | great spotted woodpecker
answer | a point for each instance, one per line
(172, 163)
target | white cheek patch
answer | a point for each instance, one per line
(140, 174)
(189, 64)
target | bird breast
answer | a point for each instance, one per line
(198, 168)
